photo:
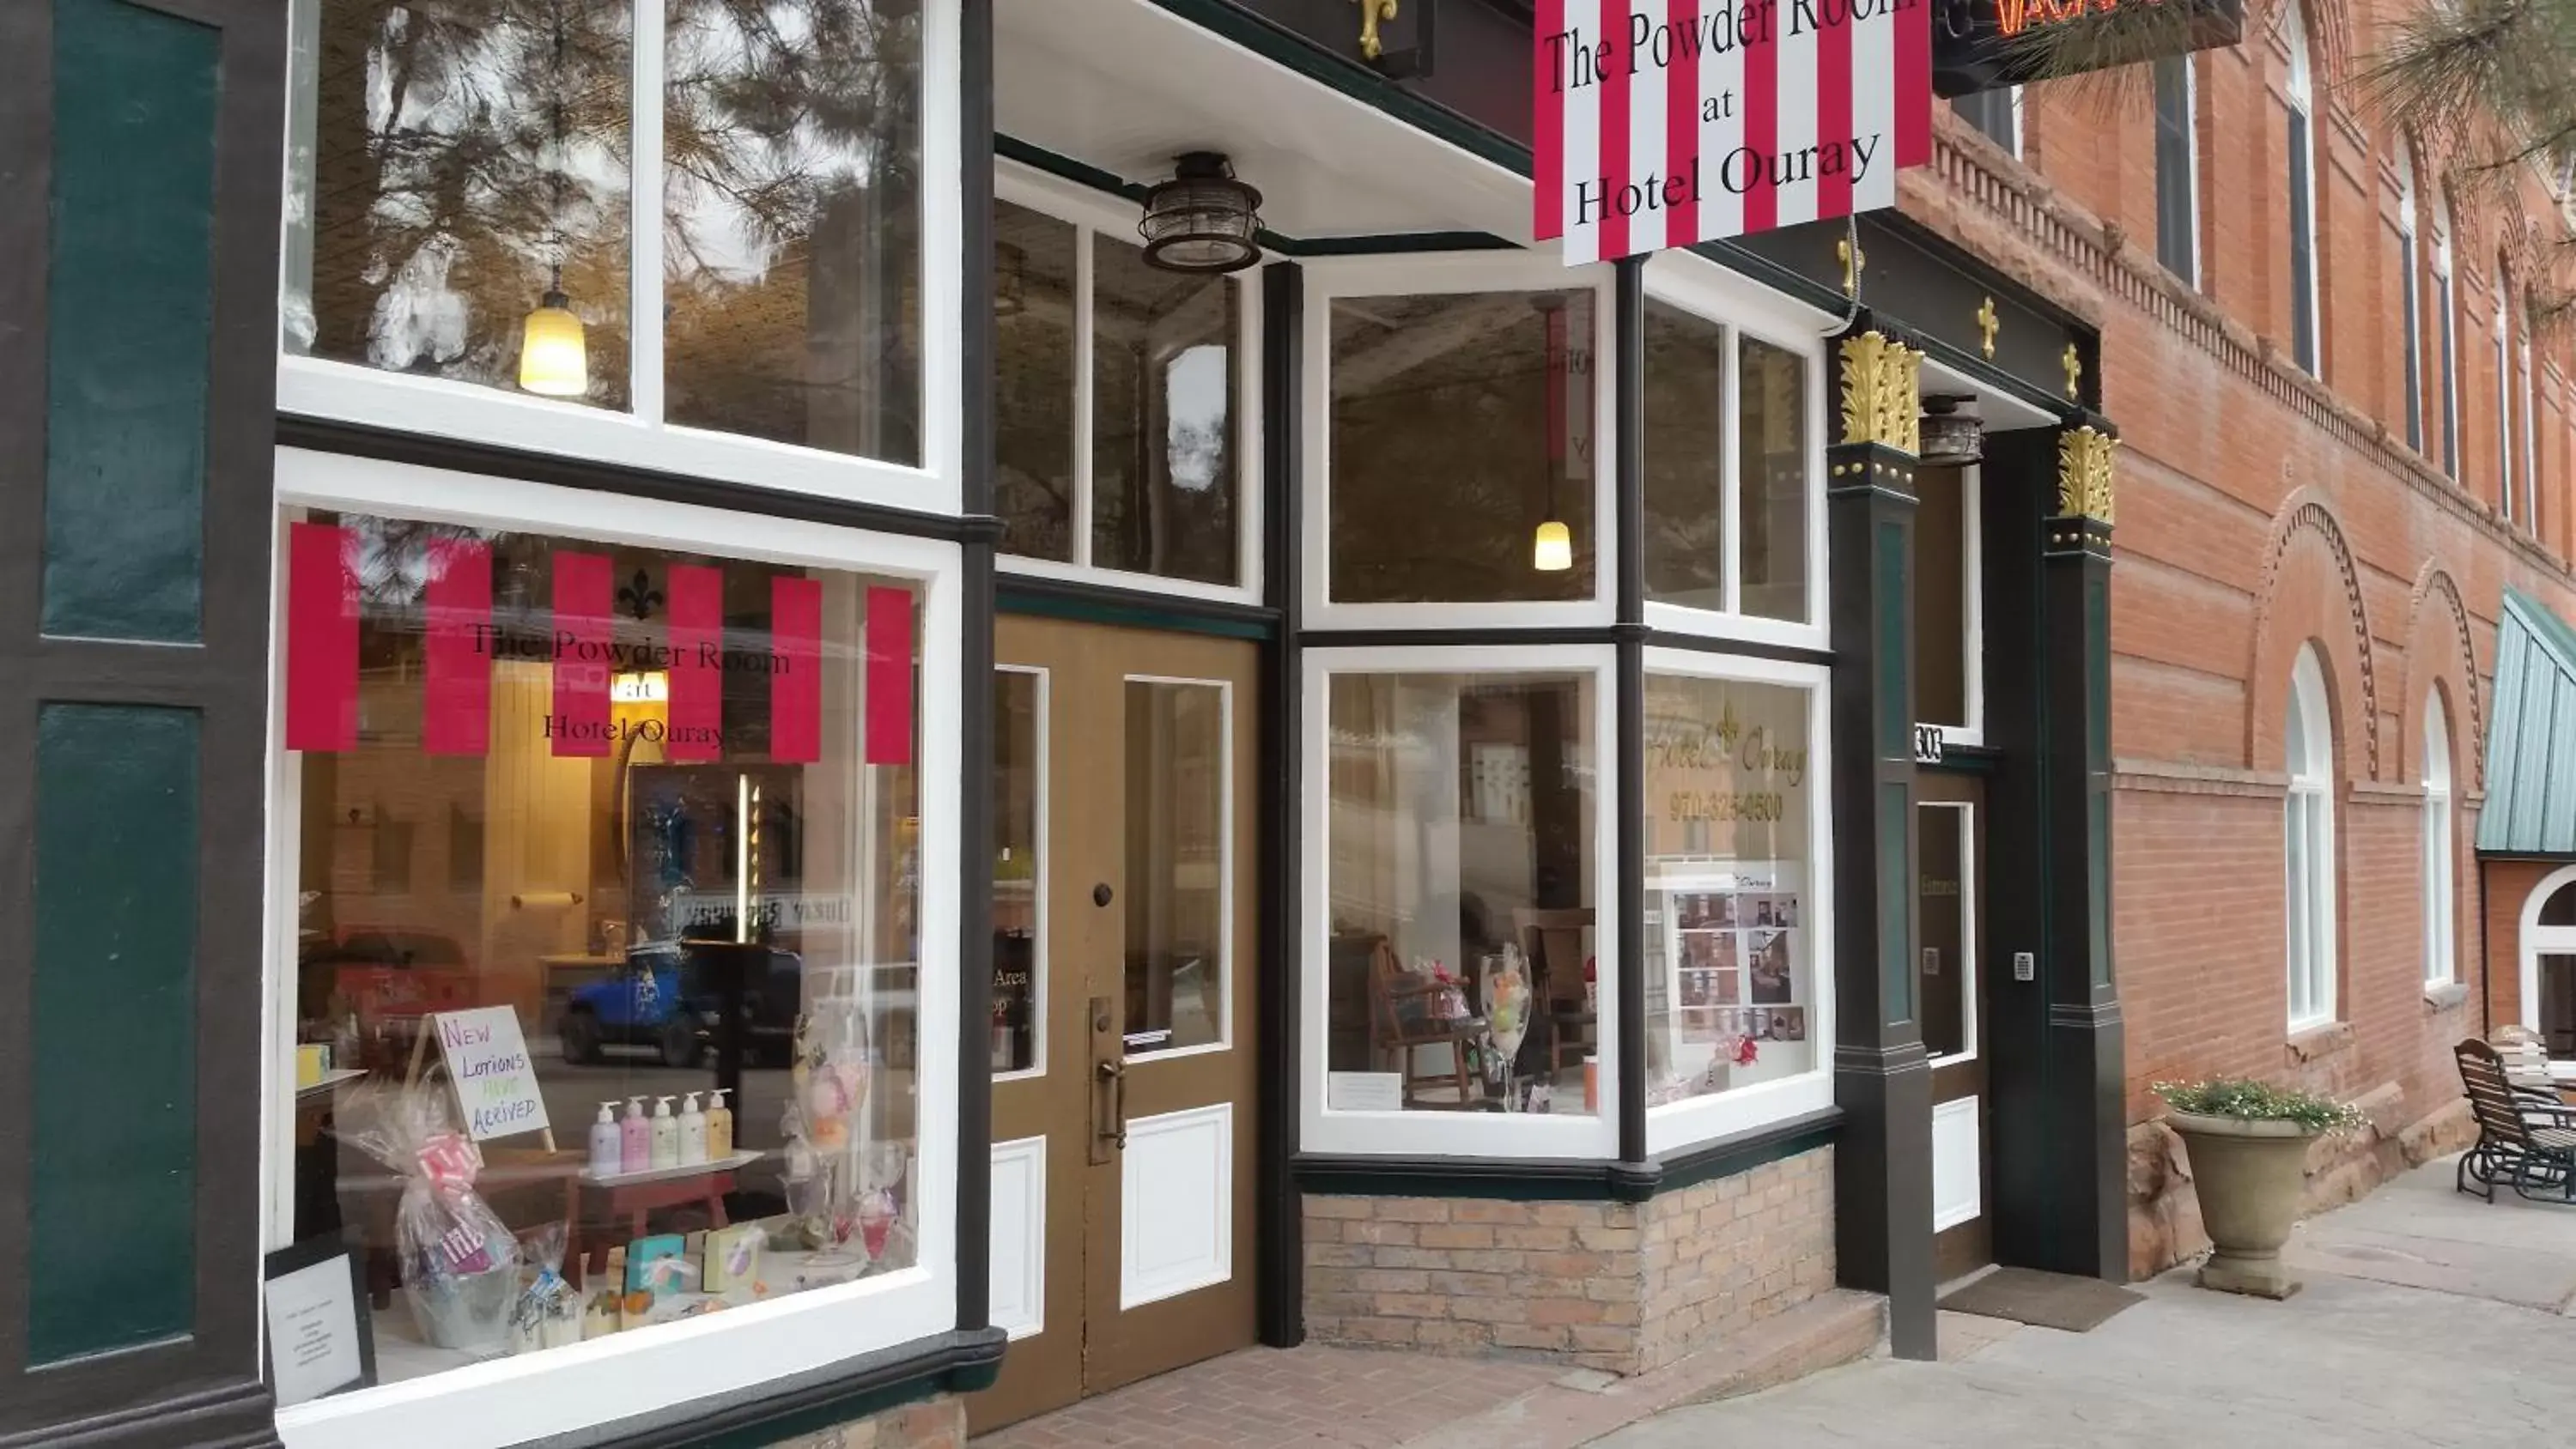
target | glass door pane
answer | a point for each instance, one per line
(1177, 864)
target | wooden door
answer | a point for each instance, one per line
(1123, 1111)
(1948, 920)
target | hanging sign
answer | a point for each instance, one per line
(1659, 123)
(1984, 45)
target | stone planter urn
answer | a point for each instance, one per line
(2250, 1175)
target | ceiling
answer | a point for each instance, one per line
(1124, 86)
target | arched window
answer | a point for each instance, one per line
(2410, 314)
(2303, 196)
(2530, 440)
(2441, 877)
(2177, 170)
(2446, 319)
(2505, 494)
(2549, 962)
(2309, 854)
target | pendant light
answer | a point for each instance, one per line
(554, 354)
(1202, 220)
(1552, 548)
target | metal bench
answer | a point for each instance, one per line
(2526, 1140)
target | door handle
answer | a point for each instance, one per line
(1109, 1129)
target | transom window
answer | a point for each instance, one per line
(642, 233)
(1118, 435)
(1727, 469)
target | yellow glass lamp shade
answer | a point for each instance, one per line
(1553, 550)
(554, 359)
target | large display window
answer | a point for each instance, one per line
(638, 232)
(618, 944)
(1738, 940)
(1459, 864)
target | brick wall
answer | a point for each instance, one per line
(934, 1424)
(2259, 510)
(1626, 1287)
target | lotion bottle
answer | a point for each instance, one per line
(666, 1135)
(635, 1138)
(607, 1144)
(693, 1133)
(719, 1127)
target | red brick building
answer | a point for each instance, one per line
(2266, 507)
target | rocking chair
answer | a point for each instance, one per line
(2525, 1141)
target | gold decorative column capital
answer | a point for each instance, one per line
(2084, 474)
(1882, 392)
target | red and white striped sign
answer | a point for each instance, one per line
(1659, 123)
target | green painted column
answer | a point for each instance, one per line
(137, 366)
(1882, 1077)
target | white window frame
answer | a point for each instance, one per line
(2448, 305)
(2190, 68)
(2538, 941)
(1039, 879)
(1229, 863)
(2309, 901)
(1091, 214)
(1673, 1126)
(1712, 294)
(2441, 834)
(2410, 296)
(2504, 395)
(2302, 105)
(1436, 1133)
(512, 1400)
(1450, 274)
(639, 437)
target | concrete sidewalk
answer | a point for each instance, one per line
(2428, 1318)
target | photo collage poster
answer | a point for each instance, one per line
(1736, 945)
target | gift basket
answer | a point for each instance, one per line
(548, 1311)
(459, 1263)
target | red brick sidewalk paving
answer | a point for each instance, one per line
(1346, 1398)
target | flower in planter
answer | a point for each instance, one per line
(2252, 1101)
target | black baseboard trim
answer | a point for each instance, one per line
(958, 1362)
(231, 1416)
(1507, 1179)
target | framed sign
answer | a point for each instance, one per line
(320, 1339)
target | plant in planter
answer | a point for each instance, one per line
(2249, 1160)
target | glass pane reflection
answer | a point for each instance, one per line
(1177, 860)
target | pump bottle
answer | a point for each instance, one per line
(666, 1135)
(607, 1150)
(719, 1127)
(693, 1133)
(634, 1138)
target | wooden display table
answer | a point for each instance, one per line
(632, 1197)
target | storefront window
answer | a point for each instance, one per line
(463, 204)
(1731, 889)
(608, 964)
(1771, 421)
(1461, 424)
(1685, 459)
(1460, 865)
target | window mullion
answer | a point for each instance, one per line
(1730, 486)
(645, 200)
(1084, 398)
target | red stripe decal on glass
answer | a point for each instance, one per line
(579, 725)
(889, 635)
(456, 699)
(321, 639)
(796, 677)
(697, 664)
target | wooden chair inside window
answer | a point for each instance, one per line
(1402, 1020)
(1553, 942)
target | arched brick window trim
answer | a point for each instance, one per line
(2311, 589)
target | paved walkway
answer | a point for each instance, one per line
(2428, 1319)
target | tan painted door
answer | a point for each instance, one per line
(1123, 1039)
(1949, 848)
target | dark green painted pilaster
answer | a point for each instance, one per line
(1882, 1079)
(138, 344)
(2086, 1127)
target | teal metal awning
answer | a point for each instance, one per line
(2531, 748)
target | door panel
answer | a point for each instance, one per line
(1948, 924)
(1122, 1102)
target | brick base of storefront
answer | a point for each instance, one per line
(2164, 1213)
(933, 1424)
(1624, 1287)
